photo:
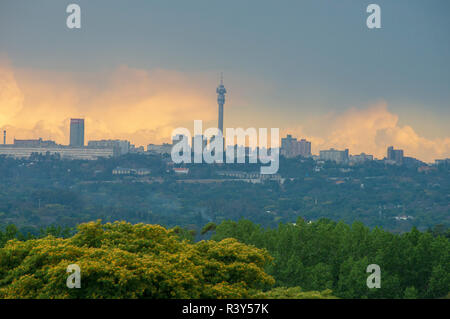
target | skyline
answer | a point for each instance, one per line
(77, 141)
(329, 79)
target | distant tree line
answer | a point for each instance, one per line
(329, 255)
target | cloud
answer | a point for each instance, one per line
(372, 130)
(144, 106)
(140, 105)
(11, 98)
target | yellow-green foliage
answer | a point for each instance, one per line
(121, 260)
(294, 293)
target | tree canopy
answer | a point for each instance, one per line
(121, 260)
(328, 255)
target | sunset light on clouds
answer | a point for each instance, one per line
(144, 106)
(371, 131)
(138, 72)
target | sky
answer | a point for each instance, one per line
(138, 69)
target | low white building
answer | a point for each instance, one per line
(120, 146)
(131, 171)
(82, 153)
(361, 158)
(334, 155)
(181, 170)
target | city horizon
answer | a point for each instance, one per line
(151, 78)
(171, 142)
(437, 149)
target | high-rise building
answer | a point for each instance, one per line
(77, 132)
(390, 152)
(394, 155)
(221, 101)
(290, 147)
(304, 148)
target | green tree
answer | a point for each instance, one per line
(121, 260)
(410, 293)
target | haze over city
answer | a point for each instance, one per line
(158, 66)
